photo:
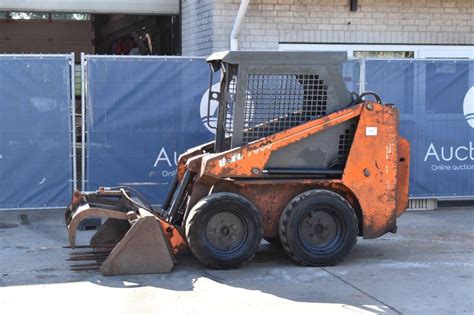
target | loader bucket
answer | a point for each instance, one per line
(127, 243)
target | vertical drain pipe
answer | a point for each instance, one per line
(234, 42)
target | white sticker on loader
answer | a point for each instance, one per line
(371, 131)
(234, 158)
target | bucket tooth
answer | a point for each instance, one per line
(98, 252)
(102, 246)
(85, 267)
(88, 257)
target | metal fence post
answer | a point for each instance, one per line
(83, 124)
(362, 79)
(73, 122)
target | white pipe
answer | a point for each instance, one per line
(362, 77)
(234, 42)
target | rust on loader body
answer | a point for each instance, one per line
(371, 172)
(240, 162)
(403, 175)
(372, 167)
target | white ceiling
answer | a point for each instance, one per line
(93, 6)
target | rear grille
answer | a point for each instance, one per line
(276, 102)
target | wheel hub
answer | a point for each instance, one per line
(318, 229)
(225, 231)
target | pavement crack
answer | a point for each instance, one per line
(362, 291)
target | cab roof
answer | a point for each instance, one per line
(277, 57)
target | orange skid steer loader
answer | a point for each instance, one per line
(297, 160)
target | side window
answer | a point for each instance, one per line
(28, 16)
(70, 16)
(45, 16)
(384, 54)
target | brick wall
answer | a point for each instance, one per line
(270, 22)
(197, 27)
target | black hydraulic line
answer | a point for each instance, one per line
(171, 191)
(138, 204)
(146, 205)
(302, 171)
(377, 97)
(178, 198)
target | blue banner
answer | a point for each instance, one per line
(436, 102)
(351, 74)
(35, 132)
(142, 113)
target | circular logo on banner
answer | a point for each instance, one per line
(209, 114)
(469, 107)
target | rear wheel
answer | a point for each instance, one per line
(318, 228)
(224, 230)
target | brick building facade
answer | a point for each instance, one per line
(207, 24)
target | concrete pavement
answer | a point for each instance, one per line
(427, 268)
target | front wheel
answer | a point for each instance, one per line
(224, 230)
(318, 228)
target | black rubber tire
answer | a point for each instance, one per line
(203, 245)
(297, 222)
